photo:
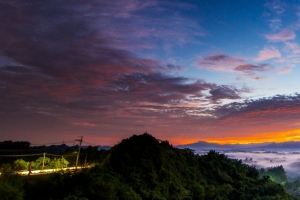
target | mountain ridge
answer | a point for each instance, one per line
(265, 145)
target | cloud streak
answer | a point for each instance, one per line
(282, 36)
(276, 11)
(219, 62)
(268, 52)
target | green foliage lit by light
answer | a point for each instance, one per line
(276, 174)
(20, 164)
(56, 163)
(272, 178)
(38, 164)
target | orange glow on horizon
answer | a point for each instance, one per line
(284, 136)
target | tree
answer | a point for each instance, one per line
(58, 163)
(20, 164)
(38, 164)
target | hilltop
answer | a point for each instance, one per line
(142, 167)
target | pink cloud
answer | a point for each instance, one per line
(284, 70)
(84, 124)
(249, 67)
(219, 62)
(282, 36)
(267, 53)
(292, 47)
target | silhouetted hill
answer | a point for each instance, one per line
(284, 145)
(203, 145)
(156, 169)
(143, 168)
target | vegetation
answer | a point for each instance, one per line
(141, 167)
(56, 163)
(293, 186)
(278, 175)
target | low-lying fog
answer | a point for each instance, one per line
(264, 159)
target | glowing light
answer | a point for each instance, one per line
(289, 135)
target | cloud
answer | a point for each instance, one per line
(155, 88)
(265, 112)
(277, 10)
(282, 36)
(224, 92)
(219, 62)
(64, 72)
(252, 70)
(223, 62)
(275, 24)
(16, 69)
(276, 7)
(292, 47)
(69, 65)
(87, 124)
(284, 70)
(288, 160)
(218, 57)
(267, 53)
(135, 25)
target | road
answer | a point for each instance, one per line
(47, 171)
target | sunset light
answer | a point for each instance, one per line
(215, 71)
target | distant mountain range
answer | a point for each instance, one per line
(253, 146)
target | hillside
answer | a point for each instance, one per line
(142, 167)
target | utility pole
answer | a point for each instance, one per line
(43, 161)
(85, 160)
(78, 153)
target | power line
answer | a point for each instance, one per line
(41, 149)
(41, 144)
(65, 155)
(14, 150)
(91, 143)
(21, 155)
(22, 143)
(54, 143)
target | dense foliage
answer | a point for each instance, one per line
(278, 175)
(55, 163)
(143, 167)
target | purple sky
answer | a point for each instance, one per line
(222, 71)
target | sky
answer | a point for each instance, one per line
(184, 71)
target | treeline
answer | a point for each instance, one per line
(278, 175)
(142, 167)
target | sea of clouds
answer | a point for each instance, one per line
(290, 160)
